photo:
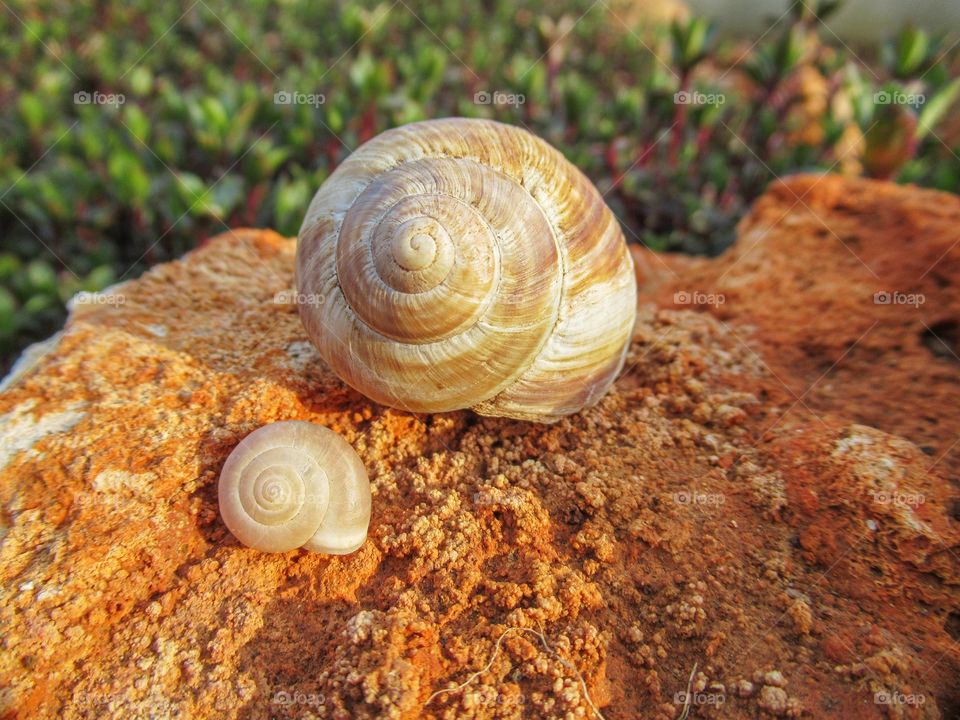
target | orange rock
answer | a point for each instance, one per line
(775, 446)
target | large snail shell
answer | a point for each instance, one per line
(466, 263)
(295, 484)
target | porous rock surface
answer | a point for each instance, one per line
(760, 519)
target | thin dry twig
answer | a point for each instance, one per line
(566, 663)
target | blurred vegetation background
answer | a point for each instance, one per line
(134, 130)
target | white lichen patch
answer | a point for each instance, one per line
(156, 329)
(870, 456)
(20, 429)
(853, 442)
(120, 480)
(863, 451)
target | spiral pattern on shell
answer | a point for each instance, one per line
(295, 484)
(466, 263)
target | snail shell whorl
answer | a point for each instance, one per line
(295, 484)
(466, 263)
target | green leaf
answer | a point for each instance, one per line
(936, 107)
(89, 137)
(912, 48)
(40, 278)
(236, 133)
(189, 188)
(129, 180)
(226, 194)
(210, 120)
(136, 123)
(367, 75)
(691, 41)
(99, 278)
(265, 159)
(38, 304)
(33, 111)
(9, 265)
(290, 202)
(334, 118)
(790, 48)
(352, 22)
(761, 67)
(141, 81)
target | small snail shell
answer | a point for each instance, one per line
(295, 484)
(466, 263)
